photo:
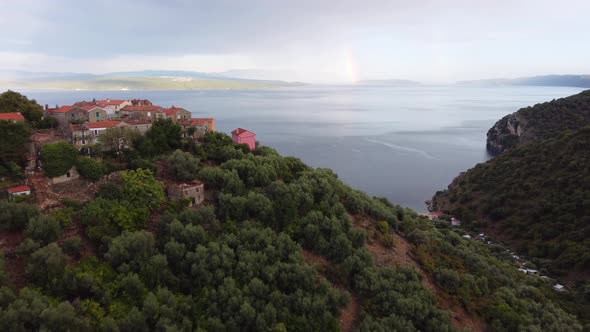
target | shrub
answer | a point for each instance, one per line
(383, 227)
(72, 246)
(15, 216)
(183, 166)
(44, 229)
(90, 168)
(58, 158)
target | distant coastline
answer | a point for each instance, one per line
(142, 80)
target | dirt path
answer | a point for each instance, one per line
(14, 265)
(349, 315)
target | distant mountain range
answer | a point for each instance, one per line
(582, 81)
(544, 80)
(231, 79)
(133, 80)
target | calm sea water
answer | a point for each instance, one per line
(403, 143)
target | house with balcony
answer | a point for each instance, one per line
(82, 135)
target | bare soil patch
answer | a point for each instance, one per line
(400, 255)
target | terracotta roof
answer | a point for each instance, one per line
(62, 109)
(110, 102)
(11, 116)
(102, 124)
(77, 127)
(241, 131)
(18, 189)
(201, 121)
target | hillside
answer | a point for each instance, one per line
(142, 80)
(536, 197)
(539, 122)
(168, 234)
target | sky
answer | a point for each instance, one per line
(322, 41)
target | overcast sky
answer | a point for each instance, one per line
(306, 40)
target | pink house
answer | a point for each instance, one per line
(243, 136)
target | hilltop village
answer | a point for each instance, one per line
(98, 128)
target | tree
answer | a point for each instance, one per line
(14, 138)
(43, 228)
(133, 248)
(15, 216)
(11, 101)
(46, 265)
(90, 168)
(183, 166)
(141, 189)
(116, 139)
(3, 274)
(163, 136)
(58, 158)
(47, 123)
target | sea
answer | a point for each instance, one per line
(402, 143)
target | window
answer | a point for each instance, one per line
(83, 142)
(98, 114)
(95, 132)
(68, 174)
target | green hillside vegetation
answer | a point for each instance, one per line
(133, 260)
(139, 83)
(483, 279)
(543, 121)
(538, 196)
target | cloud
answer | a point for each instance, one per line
(315, 40)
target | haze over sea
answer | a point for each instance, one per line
(403, 143)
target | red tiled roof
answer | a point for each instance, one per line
(11, 116)
(18, 189)
(240, 131)
(150, 108)
(201, 121)
(110, 102)
(62, 109)
(102, 124)
(77, 127)
(171, 110)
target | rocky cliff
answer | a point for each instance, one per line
(542, 121)
(506, 133)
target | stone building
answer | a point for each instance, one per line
(194, 191)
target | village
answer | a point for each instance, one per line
(85, 124)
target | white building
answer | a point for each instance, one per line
(112, 106)
(18, 191)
